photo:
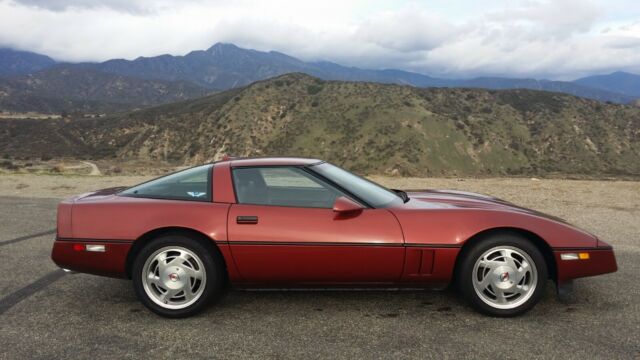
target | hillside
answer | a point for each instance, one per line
(371, 128)
(70, 88)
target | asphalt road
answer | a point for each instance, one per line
(45, 313)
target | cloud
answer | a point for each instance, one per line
(130, 6)
(557, 19)
(409, 29)
(555, 38)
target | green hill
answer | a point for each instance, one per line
(371, 128)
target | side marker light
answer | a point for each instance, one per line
(96, 248)
(574, 256)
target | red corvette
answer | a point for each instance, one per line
(296, 223)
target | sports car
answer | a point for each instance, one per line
(186, 237)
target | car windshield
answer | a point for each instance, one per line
(372, 193)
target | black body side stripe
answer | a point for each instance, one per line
(583, 248)
(281, 243)
(290, 243)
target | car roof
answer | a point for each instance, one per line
(273, 161)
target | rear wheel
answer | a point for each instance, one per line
(177, 276)
(502, 275)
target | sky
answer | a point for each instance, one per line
(555, 39)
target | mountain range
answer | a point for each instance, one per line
(160, 79)
(367, 127)
(73, 89)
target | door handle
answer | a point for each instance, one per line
(247, 219)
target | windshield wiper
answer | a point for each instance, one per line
(401, 194)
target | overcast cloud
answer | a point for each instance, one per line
(560, 39)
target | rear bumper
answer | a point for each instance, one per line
(70, 254)
(601, 260)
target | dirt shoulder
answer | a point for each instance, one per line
(60, 186)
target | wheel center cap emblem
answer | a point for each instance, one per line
(174, 277)
(504, 276)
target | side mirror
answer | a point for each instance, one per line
(345, 206)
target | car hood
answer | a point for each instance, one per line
(454, 199)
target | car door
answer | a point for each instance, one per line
(283, 230)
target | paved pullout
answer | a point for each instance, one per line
(48, 314)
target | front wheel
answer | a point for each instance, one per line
(176, 276)
(502, 275)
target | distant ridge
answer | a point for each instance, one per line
(14, 62)
(620, 82)
(226, 66)
(67, 88)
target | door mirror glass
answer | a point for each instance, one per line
(344, 205)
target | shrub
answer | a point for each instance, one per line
(313, 89)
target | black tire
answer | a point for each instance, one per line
(465, 273)
(212, 263)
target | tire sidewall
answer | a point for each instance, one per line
(464, 275)
(213, 282)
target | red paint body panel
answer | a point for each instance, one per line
(441, 219)
(115, 217)
(64, 220)
(282, 265)
(429, 265)
(222, 186)
(411, 244)
(109, 263)
(601, 261)
(322, 245)
(271, 161)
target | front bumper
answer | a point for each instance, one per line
(601, 260)
(69, 254)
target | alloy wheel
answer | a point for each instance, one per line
(174, 277)
(504, 277)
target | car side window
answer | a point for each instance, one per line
(193, 184)
(282, 186)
